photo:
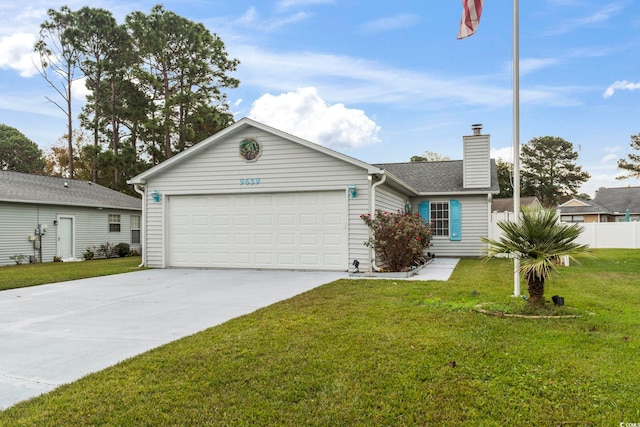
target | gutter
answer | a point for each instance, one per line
(143, 229)
(372, 254)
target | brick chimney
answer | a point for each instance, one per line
(476, 165)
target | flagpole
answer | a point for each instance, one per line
(516, 137)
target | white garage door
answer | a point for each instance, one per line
(280, 230)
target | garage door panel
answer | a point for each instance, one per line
(286, 239)
(286, 220)
(332, 239)
(309, 239)
(201, 239)
(280, 230)
(266, 220)
(264, 239)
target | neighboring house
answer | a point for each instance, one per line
(610, 205)
(505, 204)
(252, 196)
(43, 217)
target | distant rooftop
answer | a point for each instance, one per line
(49, 190)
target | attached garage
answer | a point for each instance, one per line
(255, 197)
(274, 230)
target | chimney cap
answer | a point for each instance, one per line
(477, 127)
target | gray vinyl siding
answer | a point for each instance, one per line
(475, 224)
(477, 166)
(389, 200)
(284, 166)
(19, 220)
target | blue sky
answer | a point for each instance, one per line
(384, 80)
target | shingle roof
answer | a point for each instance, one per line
(619, 199)
(591, 207)
(437, 177)
(608, 201)
(28, 188)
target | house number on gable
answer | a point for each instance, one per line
(249, 181)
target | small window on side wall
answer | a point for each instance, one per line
(114, 223)
(135, 229)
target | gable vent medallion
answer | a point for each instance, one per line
(250, 149)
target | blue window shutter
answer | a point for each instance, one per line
(423, 210)
(455, 217)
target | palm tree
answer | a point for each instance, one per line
(538, 240)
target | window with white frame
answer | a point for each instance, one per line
(135, 229)
(439, 218)
(114, 223)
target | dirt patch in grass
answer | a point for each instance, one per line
(528, 312)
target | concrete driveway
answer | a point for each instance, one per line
(58, 333)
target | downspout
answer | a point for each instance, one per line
(143, 228)
(372, 254)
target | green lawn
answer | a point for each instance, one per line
(20, 276)
(371, 352)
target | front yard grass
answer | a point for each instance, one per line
(372, 352)
(20, 276)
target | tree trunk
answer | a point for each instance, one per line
(536, 289)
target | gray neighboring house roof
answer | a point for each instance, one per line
(608, 201)
(438, 177)
(47, 190)
(619, 199)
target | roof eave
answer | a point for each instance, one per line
(400, 184)
(473, 192)
(83, 205)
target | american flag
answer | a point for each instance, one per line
(471, 10)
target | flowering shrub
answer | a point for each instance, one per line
(399, 239)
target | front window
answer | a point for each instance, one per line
(572, 218)
(114, 223)
(135, 229)
(440, 218)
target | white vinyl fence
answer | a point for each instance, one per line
(623, 235)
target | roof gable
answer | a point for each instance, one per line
(233, 129)
(574, 203)
(28, 188)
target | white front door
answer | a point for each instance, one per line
(65, 237)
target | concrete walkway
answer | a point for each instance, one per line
(58, 333)
(437, 269)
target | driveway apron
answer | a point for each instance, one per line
(55, 334)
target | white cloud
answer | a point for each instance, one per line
(609, 157)
(504, 154)
(620, 85)
(529, 65)
(16, 52)
(597, 17)
(304, 114)
(390, 23)
(252, 18)
(286, 4)
(356, 80)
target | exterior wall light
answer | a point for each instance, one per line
(155, 195)
(353, 191)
